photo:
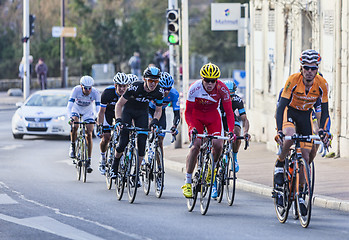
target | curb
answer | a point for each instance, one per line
(318, 200)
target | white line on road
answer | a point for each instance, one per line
(5, 199)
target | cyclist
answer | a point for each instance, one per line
(134, 105)
(295, 107)
(171, 97)
(202, 110)
(80, 104)
(132, 78)
(106, 114)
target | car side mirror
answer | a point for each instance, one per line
(19, 104)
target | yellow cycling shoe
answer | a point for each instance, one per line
(208, 177)
(187, 190)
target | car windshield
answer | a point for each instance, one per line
(57, 100)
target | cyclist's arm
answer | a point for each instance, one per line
(101, 114)
(176, 109)
(69, 107)
(118, 107)
(324, 115)
(189, 107)
(245, 123)
(176, 118)
(280, 112)
(229, 114)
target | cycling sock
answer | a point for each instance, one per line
(235, 156)
(188, 178)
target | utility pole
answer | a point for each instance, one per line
(26, 50)
(63, 78)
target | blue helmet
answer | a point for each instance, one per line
(152, 72)
(231, 86)
(166, 80)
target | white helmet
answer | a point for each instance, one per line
(132, 78)
(121, 78)
(310, 56)
(86, 81)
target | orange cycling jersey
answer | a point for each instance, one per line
(294, 90)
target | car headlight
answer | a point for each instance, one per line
(60, 118)
(18, 116)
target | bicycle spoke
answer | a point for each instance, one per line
(304, 199)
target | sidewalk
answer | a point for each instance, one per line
(257, 169)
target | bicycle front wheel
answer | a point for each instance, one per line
(132, 178)
(120, 179)
(305, 194)
(221, 178)
(230, 180)
(109, 156)
(84, 160)
(146, 174)
(206, 183)
(78, 160)
(159, 173)
(195, 185)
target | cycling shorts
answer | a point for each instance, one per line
(86, 112)
(301, 121)
(212, 121)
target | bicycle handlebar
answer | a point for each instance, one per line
(205, 135)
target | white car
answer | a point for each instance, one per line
(43, 113)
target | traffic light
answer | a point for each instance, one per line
(173, 26)
(31, 24)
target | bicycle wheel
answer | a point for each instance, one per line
(146, 174)
(78, 160)
(195, 185)
(305, 194)
(159, 173)
(230, 180)
(109, 156)
(206, 183)
(220, 180)
(120, 179)
(132, 178)
(84, 160)
(312, 174)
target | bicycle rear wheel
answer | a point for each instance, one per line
(220, 180)
(84, 160)
(230, 181)
(132, 178)
(120, 179)
(305, 194)
(206, 183)
(78, 160)
(159, 173)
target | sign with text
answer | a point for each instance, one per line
(63, 31)
(225, 16)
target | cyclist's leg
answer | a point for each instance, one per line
(236, 145)
(141, 121)
(162, 124)
(73, 135)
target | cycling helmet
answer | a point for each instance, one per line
(121, 78)
(152, 72)
(231, 86)
(86, 81)
(132, 78)
(310, 56)
(210, 70)
(166, 80)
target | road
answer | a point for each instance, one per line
(40, 198)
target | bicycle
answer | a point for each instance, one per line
(110, 156)
(154, 169)
(226, 175)
(128, 168)
(203, 179)
(81, 154)
(296, 169)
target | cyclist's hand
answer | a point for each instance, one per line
(174, 131)
(193, 132)
(154, 124)
(118, 124)
(100, 130)
(247, 136)
(324, 137)
(279, 138)
(231, 136)
(71, 121)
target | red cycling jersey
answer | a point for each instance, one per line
(202, 108)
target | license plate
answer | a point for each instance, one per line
(37, 125)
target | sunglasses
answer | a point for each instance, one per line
(167, 88)
(307, 68)
(152, 80)
(87, 88)
(207, 80)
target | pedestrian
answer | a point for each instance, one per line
(21, 68)
(135, 64)
(159, 60)
(41, 72)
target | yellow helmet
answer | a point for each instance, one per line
(210, 70)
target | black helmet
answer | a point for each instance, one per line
(152, 72)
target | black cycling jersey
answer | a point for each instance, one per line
(236, 104)
(139, 99)
(108, 100)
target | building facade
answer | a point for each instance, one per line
(279, 31)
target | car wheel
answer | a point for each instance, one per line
(17, 136)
